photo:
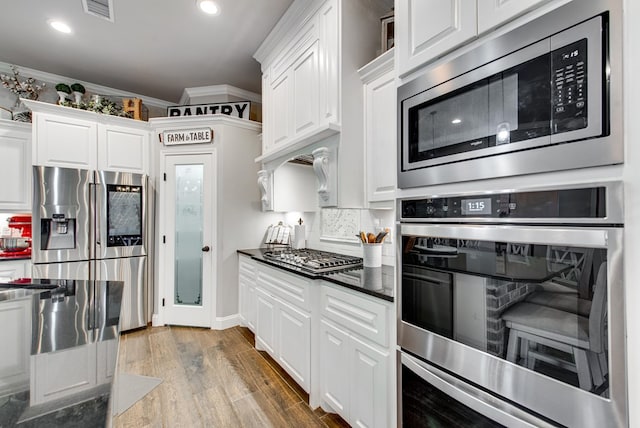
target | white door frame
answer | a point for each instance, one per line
(164, 282)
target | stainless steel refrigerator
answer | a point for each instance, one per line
(92, 225)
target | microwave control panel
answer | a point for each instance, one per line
(570, 203)
(569, 87)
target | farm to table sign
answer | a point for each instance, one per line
(238, 109)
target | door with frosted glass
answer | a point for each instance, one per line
(189, 228)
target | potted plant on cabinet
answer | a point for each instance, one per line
(63, 91)
(78, 92)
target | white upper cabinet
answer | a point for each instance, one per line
(380, 132)
(428, 29)
(65, 142)
(312, 94)
(72, 138)
(123, 149)
(492, 13)
(15, 166)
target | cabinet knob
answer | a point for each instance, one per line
(206, 249)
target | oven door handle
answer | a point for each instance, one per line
(545, 235)
(425, 278)
(476, 399)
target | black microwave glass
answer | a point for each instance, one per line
(543, 96)
(124, 215)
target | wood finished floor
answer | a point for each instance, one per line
(212, 378)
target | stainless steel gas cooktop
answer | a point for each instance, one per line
(314, 260)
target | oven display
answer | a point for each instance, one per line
(476, 206)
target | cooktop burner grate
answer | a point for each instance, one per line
(314, 260)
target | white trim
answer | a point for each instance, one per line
(12, 125)
(41, 107)
(156, 320)
(377, 67)
(202, 91)
(295, 17)
(160, 123)
(90, 87)
(223, 323)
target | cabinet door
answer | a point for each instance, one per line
(14, 365)
(279, 118)
(294, 332)
(15, 168)
(492, 13)
(65, 142)
(10, 270)
(123, 149)
(328, 26)
(428, 29)
(305, 102)
(334, 366)
(369, 405)
(251, 308)
(381, 137)
(265, 322)
(55, 375)
(247, 294)
(267, 121)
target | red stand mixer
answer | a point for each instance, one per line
(17, 246)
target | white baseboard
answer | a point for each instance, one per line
(156, 321)
(223, 323)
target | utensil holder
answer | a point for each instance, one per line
(372, 255)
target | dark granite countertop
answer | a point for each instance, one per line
(60, 316)
(376, 282)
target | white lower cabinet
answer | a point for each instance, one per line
(14, 366)
(355, 370)
(334, 342)
(14, 269)
(283, 326)
(247, 291)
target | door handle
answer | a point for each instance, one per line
(206, 249)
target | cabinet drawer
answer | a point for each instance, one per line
(361, 315)
(246, 267)
(288, 287)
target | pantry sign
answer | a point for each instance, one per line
(236, 109)
(186, 136)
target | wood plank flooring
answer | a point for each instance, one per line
(212, 378)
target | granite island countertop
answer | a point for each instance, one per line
(51, 326)
(377, 282)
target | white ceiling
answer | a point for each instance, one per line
(155, 47)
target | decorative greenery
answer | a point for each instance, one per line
(101, 105)
(63, 87)
(21, 87)
(76, 87)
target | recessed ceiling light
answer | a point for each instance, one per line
(60, 26)
(456, 121)
(209, 6)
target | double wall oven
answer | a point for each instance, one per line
(511, 309)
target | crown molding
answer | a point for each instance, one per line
(51, 78)
(202, 91)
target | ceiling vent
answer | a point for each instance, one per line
(100, 8)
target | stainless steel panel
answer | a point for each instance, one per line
(605, 150)
(476, 399)
(103, 179)
(69, 270)
(561, 402)
(614, 205)
(132, 271)
(61, 192)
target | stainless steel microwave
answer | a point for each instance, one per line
(545, 96)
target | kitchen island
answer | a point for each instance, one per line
(60, 344)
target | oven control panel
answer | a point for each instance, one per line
(569, 203)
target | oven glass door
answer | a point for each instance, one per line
(539, 305)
